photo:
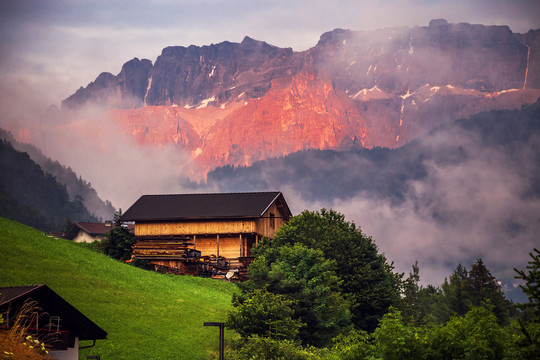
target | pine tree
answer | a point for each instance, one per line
(118, 241)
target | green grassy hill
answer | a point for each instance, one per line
(147, 315)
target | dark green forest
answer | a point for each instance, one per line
(33, 197)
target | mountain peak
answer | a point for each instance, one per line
(333, 36)
(250, 43)
(248, 40)
(438, 22)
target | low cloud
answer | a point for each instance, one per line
(93, 145)
(477, 206)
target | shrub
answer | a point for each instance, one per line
(473, 336)
(261, 348)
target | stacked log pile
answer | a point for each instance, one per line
(161, 247)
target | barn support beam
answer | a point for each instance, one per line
(241, 245)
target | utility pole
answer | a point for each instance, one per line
(221, 337)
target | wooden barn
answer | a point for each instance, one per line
(180, 232)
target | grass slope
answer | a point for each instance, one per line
(147, 315)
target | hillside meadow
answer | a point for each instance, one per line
(146, 315)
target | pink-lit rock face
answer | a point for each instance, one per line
(305, 112)
(302, 113)
(157, 125)
(236, 103)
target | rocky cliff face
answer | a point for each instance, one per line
(236, 103)
(126, 90)
(485, 58)
(213, 74)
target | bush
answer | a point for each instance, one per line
(393, 340)
(264, 314)
(308, 282)
(261, 348)
(354, 346)
(16, 343)
(474, 336)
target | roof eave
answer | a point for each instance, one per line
(251, 217)
(286, 206)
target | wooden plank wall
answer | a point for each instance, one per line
(264, 224)
(230, 246)
(196, 227)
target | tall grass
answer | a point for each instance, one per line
(147, 315)
(17, 342)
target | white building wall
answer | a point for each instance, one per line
(85, 237)
(69, 354)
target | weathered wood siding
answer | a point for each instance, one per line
(195, 227)
(235, 237)
(230, 247)
(271, 221)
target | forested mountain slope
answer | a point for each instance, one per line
(32, 196)
(78, 188)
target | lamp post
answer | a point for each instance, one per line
(221, 333)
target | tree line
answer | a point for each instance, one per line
(321, 290)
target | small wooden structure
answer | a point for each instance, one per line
(60, 325)
(219, 229)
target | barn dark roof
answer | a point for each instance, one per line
(203, 206)
(12, 299)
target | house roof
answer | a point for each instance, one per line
(204, 206)
(9, 293)
(93, 229)
(12, 298)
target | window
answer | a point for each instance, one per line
(54, 323)
(272, 221)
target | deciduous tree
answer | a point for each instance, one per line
(368, 280)
(308, 280)
(263, 314)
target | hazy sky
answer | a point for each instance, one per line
(53, 47)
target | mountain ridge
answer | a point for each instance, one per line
(366, 89)
(197, 65)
